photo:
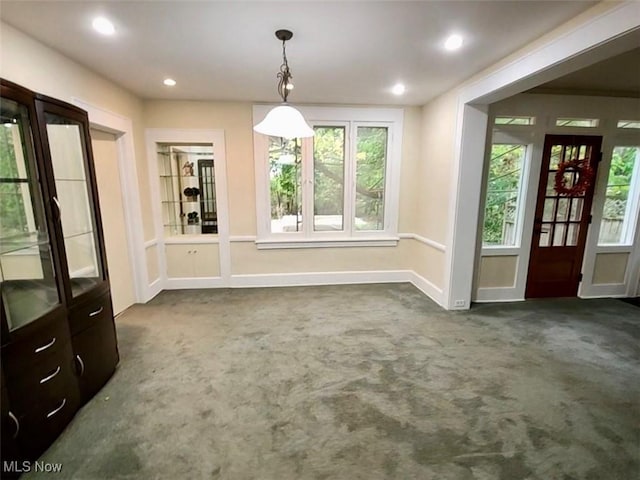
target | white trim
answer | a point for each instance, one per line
(215, 137)
(155, 287)
(350, 118)
(500, 251)
(318, 278)
(306, 279)
(326, 243)
(186, 283)
(552, 59)
(122, 127)
(192, 240)
(614, 249)
(150, 243)
(602, 290)
(242, 238)
(425, 286)
(427, 241)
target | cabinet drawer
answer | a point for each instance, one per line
(44, 383)
(89, 313)
(43, 344)
(96, 350)
(39, 427)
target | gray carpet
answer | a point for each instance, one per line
(363, 382)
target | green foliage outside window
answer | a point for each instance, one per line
(285, 174)
(371, 157)
(619, 182)
(613, 225)
(503, 187)
(13, 218)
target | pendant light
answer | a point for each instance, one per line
(284, 120)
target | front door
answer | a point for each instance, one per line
(562, 214)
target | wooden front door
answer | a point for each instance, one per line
(561, 220)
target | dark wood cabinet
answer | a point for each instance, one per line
(59, 342)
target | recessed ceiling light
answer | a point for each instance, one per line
(169, 82)
(454, 42)
(104, 26)
(398, 89)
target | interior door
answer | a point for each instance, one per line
(561, 220)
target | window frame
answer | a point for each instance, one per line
(510, 135)
(350, 119)
(632, 210)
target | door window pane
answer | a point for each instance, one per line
(328, 178)
(285, 180)
(27, 279)
(619, 212)
(558, 234)
(503, 193)
(371, 159)
(576, 208)
(549, 209)
(563, 210)
(72, 189)
(545, 234)
(572, 235)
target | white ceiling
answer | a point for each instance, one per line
(341, 52)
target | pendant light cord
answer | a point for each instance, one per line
(284, 75)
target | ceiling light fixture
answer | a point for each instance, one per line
(284, 120)
(398, 89)
(454, 42)
(104, 26)
(169, 82)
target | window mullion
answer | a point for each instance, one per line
(349, 179)
(307, 187)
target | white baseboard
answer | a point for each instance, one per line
(302, 279)
(425, 286)
(153, 289)
(318, 278)
(196, 282)
(604, 290)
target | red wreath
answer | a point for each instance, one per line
(585, 178)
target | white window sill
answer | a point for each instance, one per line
(613, 248)
(272, 244)
(499, 250)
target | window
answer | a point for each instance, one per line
(621, 201)
(504, 120)
(577, 122)
(340, 185)
(628, 124)
(501, 212)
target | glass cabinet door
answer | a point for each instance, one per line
(27, 276)
(74, 200)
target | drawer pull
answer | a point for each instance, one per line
(15, 420)
(97, 312)
(53, 412)
(81, 365)
(46, 379)
(44, 347)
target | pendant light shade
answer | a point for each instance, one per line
(284, 120)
